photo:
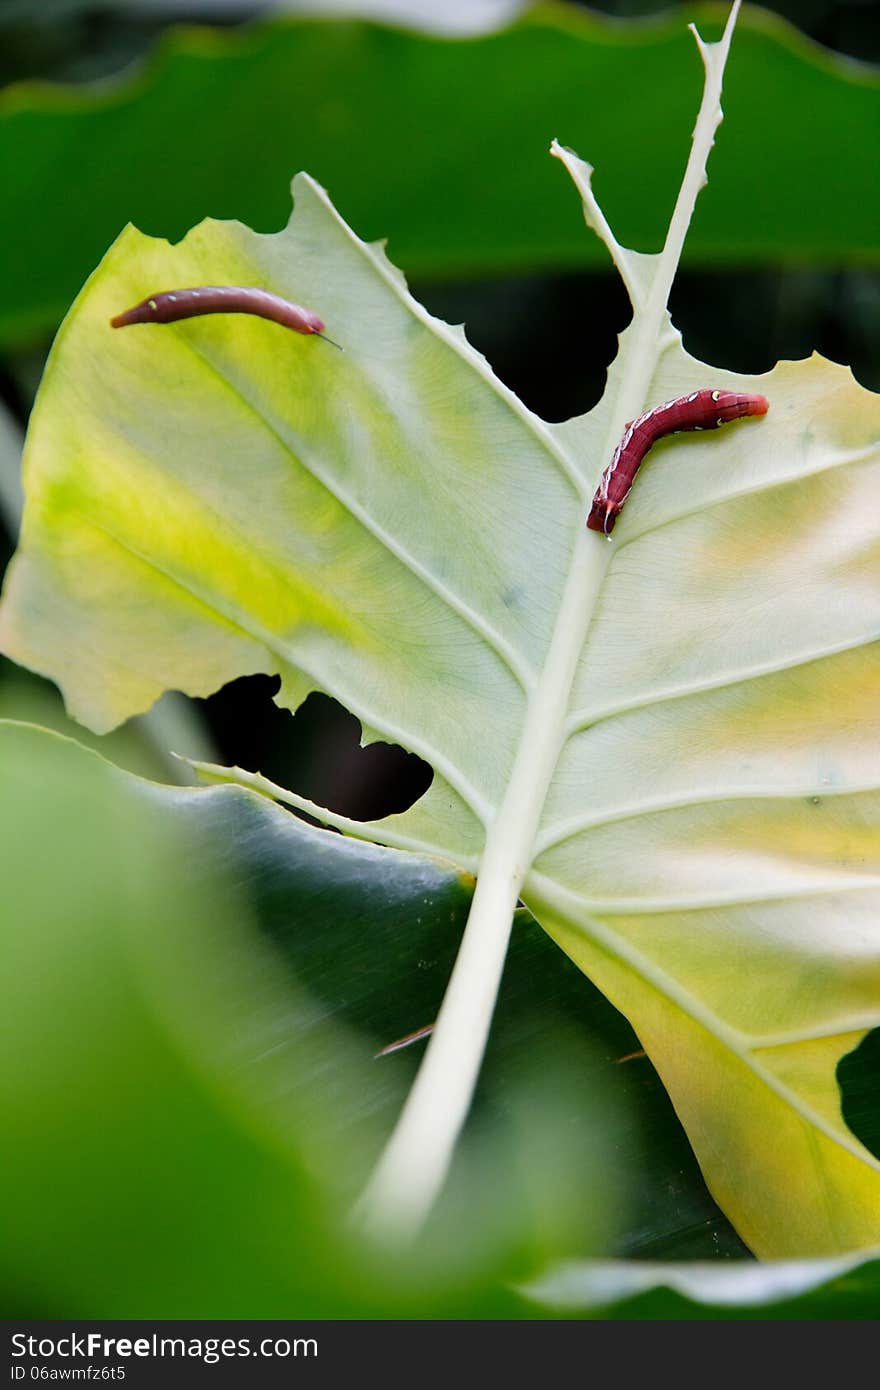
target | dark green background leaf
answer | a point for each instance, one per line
(218, 122)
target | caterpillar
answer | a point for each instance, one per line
(701, 410)
(171, 305)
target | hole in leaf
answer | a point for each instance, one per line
(549, 338)
(778, 314)
(858, 1076)
(315, 752)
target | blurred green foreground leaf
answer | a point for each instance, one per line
(185, 1127)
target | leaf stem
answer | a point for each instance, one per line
(651, 324)
(710, 116)
(414, 1164)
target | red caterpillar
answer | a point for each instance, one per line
(701, 410)
(172, 305)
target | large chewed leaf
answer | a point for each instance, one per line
(662, 743)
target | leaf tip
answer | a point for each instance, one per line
(305, 182)
(570, 157)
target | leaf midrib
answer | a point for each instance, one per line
(457, 342)
(521, 670)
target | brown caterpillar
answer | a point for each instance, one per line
(701, 410)
(171, 305)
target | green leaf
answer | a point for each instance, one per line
(660, 743)
(216, 121)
